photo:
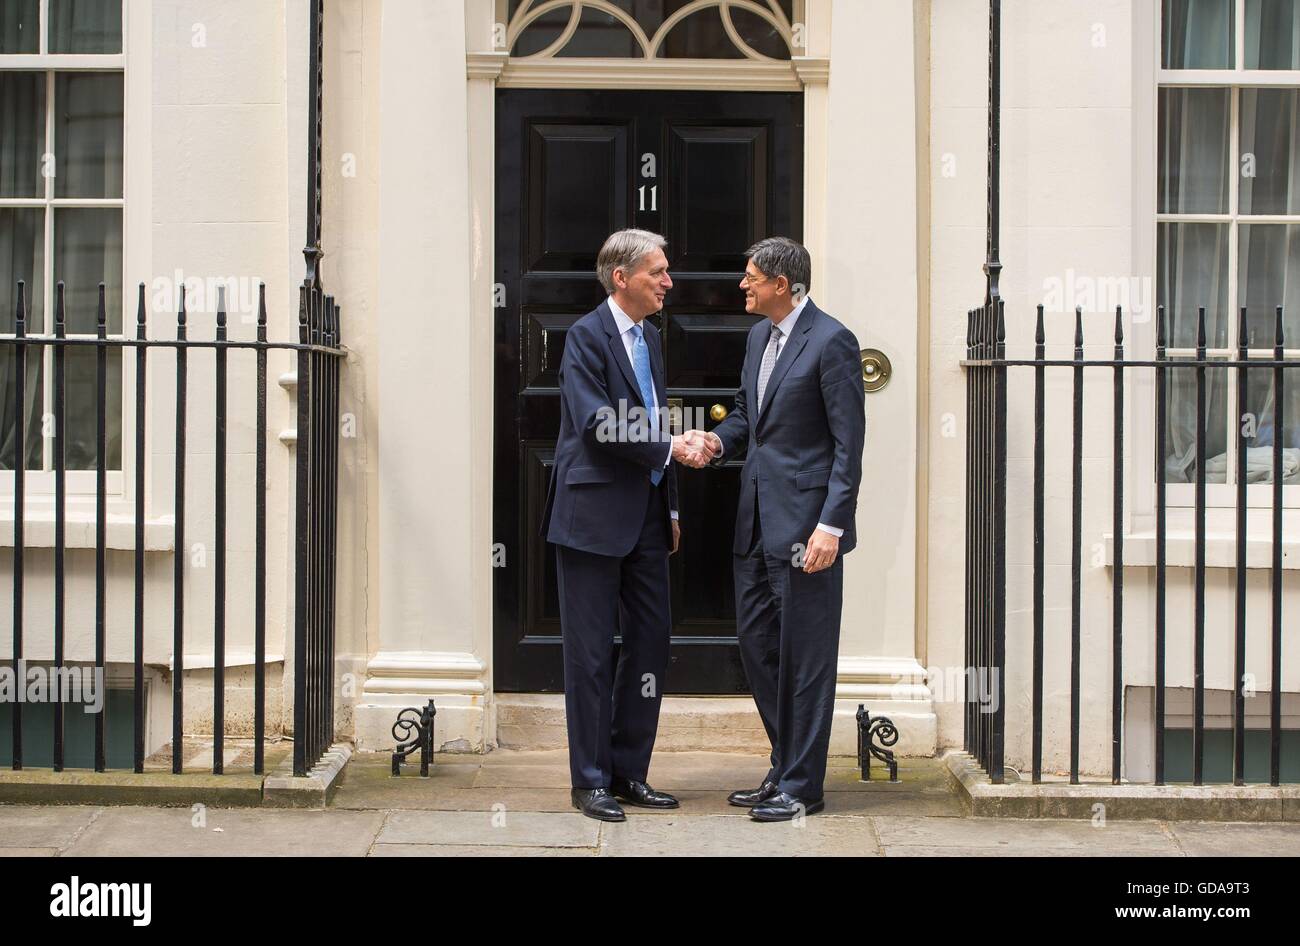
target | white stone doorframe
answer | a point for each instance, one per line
(447, 655)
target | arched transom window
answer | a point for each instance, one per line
(764, 30)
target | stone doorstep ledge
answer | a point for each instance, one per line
(1128, 801)
(279, 789)
(283, 790)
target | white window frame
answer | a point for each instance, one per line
(1217, 495)
(134, 203)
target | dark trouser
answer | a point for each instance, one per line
(788, 623)
(613, 712)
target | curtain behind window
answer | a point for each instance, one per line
(1193, 258)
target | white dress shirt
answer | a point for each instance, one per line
(786, 328)
(625, 325)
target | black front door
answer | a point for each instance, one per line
(713, 172)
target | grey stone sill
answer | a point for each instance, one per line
(1220, 550)
(79, 529)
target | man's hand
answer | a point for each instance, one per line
(821, 552)
(712, 440)
(677, 536)
(695, 448)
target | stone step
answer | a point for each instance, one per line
(535, 721)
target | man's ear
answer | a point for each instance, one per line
(782, 285)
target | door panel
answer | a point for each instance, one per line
(569, 213)
(718, 197)
(724, 170)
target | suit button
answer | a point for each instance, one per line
(754, 478)
(758, 441)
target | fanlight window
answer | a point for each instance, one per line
(653, 29)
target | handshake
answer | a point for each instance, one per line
(696, 448)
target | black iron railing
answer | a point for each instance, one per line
(986, 546)
(318, 352)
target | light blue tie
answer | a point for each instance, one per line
(641, 365)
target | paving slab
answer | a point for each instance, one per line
(1237, 838)
(490, 828)
(471, 850)
(1017, 851)
(29, 852)
(523, 776)
(894, 804)
(737, 835)
(430, 798)
(172, 832)
(697, 771)
(511, 757)
(40, 826)
(1027, 836)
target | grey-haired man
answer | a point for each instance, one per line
(611, 513)
(800, 418)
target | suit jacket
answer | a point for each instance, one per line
(804, 448)
(600, 480)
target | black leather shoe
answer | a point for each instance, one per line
(783, 807)
(641, 794)
(748, 798)
(597, 803)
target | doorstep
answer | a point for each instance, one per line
(535, 722)
(1127, 801)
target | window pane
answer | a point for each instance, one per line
(22, 256)
(1197, 34)
(88, 134)
(22, 144)
(1193, 160)
(31, 408)
(700, 36)
(1270, 151)
(88, 251)
(1259, 449)
(1192, 271)
(19, 25)
(540, 33)
(761, 35)
(85, 26)
(81, 417)
(600, 34)
(1180, 437)
(1273, 34)
(1268, 276)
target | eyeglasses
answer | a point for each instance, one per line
(751, 278)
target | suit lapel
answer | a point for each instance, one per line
(790, 351)
(619, 352)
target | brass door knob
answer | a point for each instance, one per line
(876, 369)
(717, 412)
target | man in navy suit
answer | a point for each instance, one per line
(800, 418)
(611, 513)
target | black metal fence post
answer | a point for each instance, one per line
(986, 365)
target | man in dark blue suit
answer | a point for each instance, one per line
(611, 513)
(800, 418)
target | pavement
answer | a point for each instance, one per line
(517, 803)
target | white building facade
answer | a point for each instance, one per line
(1150, 155)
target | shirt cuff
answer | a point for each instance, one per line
(673, 513)
(669, 459)
(838, 533)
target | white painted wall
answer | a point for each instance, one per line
(1077, 184)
